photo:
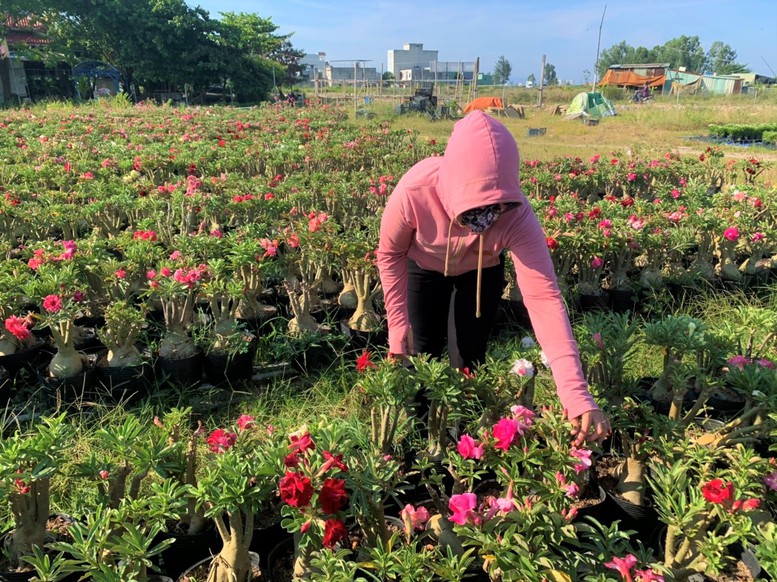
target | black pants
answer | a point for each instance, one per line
(429, 300)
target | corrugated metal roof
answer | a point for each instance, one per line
(641, 66)
(27, 38)
(22, 23)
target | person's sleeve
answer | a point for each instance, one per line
(547, 311)
(396, 234)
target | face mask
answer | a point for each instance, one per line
(479, 219)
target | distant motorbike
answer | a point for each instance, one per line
(640, 97)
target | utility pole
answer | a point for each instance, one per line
(475, 74)
(542, 82)
(598, 44)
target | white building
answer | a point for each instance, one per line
(409, 62)
(313, 64)
(348, 73)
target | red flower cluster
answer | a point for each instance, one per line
(363, 362)
(295, 489)
(148, 235)
(18, 327)
(718, 492)
(220, 440)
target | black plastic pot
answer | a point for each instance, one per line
(364, 339)
(222, 369)
(643, 519)
(127, 382)
(74, 390)
(265, 539)
(185, 372)
(622, 300)
(25, 359)
(16, 576)
(587, 302)
(280, 559)
(604, 511)
(188, 549)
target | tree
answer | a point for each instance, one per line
(531, 79)
(550, 75)
(721, 60)
(502, 71)
(683, 51)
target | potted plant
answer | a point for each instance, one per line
(124, 368)
(177, 288)
(313, 494)
(237, 479)
(29, 461)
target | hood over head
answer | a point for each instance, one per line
(480, 166)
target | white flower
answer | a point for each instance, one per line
(527, 343)
(523, 368)
(758, 394)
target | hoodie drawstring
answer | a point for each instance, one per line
(480, 276)
(480, 264)
(448, 245)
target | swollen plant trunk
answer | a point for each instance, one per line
(233, 562)
(365, 318)
(125, 355)
(347, 297)
(8, 343)
(729, 270)
(66, 363)
(632, 479)
(177, 345)
(31, 513)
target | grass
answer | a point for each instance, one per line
(663, 125)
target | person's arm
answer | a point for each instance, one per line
(537, 281)
(396, 234)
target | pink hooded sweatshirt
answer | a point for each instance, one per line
(480, 167)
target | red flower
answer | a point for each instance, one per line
(295, 489)
(300, 444)
(363, 362)
(220, 440)
(333, 496)
(716, 491)
(334, 461)
(52, 303)
(334, 531)
(552, 243)
(18, 327)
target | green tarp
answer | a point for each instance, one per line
(590, 105)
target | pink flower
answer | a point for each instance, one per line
(597, 262)
(120, 274)
(414, 518)
(731, 233)
(764, 363)
(584, 456)
(104, 474)
(504, 432)
(244, 422)
(597, 337)
(468, 449)
(770, 480)
(523, 368)
(522, 414)
(52, 303)
(462, 507)
(623, 566)
(738, 362)
(220, 440)
(18, 327)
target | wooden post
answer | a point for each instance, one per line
(542, 82)
(475, 78)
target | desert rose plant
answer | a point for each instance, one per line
(313, 494)
(237, 480)
(29, 461)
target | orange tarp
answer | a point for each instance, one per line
(631, 79)
(483, 103)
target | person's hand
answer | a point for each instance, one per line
(590, 426)
(409, 350)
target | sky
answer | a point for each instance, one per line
(565, 31)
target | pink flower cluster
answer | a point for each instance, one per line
(40, 257)
(625, 565)
(739, 362)
(18, 326)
